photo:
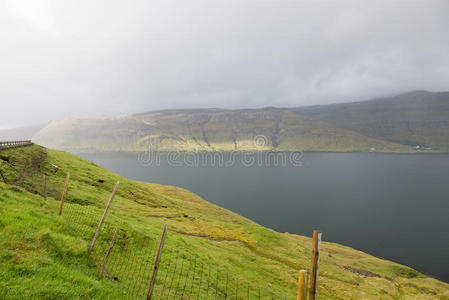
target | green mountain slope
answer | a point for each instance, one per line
(206, 130)
(415, 118)
(396, 124)
(42, 257)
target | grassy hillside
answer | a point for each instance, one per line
(41, 256)
(393, 124)
(206, 130)
(415, 118)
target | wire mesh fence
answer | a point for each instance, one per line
(50, 186)
(29, 172)
(130, 260)
(130, 263)
(184, 277)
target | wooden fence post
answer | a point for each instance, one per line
(156, 263)
(91, 248)
(302, 285)
(45, 187)
(3, 177)
(313, 290)
(63, 193)
(109, 251)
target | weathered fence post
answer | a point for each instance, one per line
(313, 290)
(3, 177)
(302, 285)
(63, 193)
(109, 251)
(45, 187)
(103, 217)
(156, 263)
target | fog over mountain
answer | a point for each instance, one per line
(90, 58)
(409, 122)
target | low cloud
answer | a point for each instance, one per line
(79, 58)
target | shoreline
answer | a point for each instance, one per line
(258, 151)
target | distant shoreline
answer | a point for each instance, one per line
(262, 151)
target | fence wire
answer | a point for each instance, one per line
(131, 263)
(29, 174)
(131, 260)
(184, 277)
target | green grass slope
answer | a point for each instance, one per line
(206, 130)
(392, 124)
(415, 118)
(42, 257)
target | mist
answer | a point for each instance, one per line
(63, 59)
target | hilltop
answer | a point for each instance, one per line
(414, 118)
(392, 124)
(204, 130)
(40, 257)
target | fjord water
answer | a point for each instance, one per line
(394, 206)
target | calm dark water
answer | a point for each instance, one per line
(390, 205)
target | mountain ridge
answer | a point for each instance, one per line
(418, 118)
(282, 130)
(408, 122)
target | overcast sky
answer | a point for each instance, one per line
(65, 58)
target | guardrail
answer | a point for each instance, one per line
(14, 144)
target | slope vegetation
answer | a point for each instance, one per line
(206, 130)
(393, 124)
(41, 258)
(417, 118)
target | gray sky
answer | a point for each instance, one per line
(80, 58)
